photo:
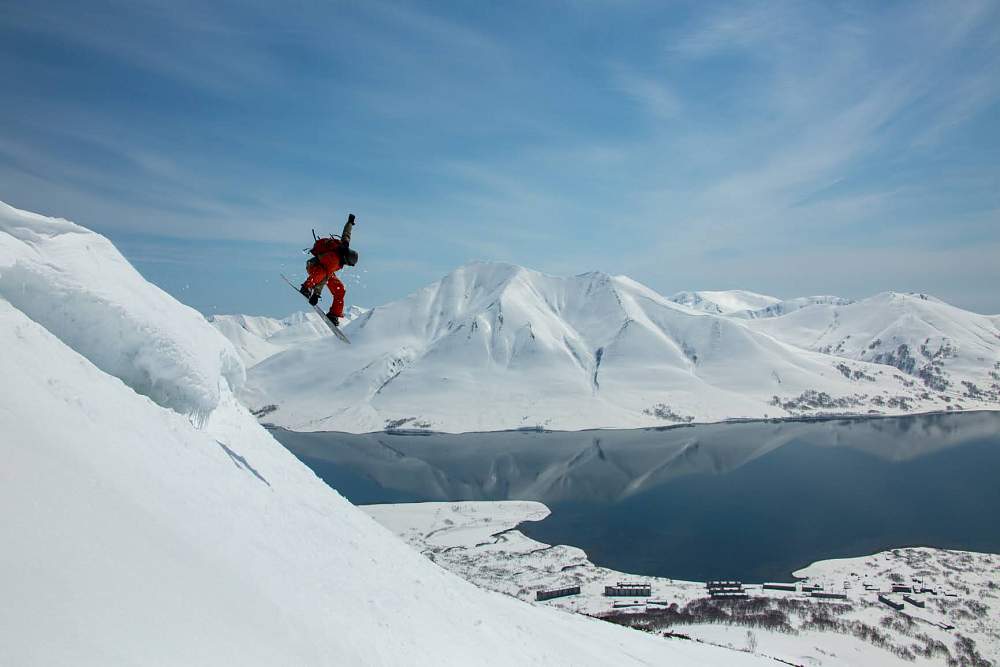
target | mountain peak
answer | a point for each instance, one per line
(494, 345)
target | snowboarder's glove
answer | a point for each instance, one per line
(314, 299)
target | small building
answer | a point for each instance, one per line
(624, 589)
(902, 588)
(556, 593)
(780, 587)
(724, 585)
(726, 590)
(810, 588)
(914, 601)
(828, 595)
(898, 606)
(625, 605)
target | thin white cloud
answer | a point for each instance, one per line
(653, 95)
(191, 43)
(740, 26)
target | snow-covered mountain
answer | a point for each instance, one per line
(725, 301)
(750, 305)
(779, 308)
(945, 351)
(256, 337)
(494, 346)
(148, 519)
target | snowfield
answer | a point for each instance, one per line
(148, 519)
(495, 346)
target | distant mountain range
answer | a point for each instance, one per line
(495, 346)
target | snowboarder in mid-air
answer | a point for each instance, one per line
(329, 255)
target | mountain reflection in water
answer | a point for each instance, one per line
(739, 500)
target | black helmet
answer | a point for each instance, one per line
(349, 256)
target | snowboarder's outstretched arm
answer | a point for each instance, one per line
(346, 236)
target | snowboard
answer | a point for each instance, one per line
(333, 327)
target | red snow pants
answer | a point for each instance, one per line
(318, 273)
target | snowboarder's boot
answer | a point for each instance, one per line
(311, 294)
(334, 319)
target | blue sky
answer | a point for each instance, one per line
(787, 148)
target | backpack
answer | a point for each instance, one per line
(325, 245)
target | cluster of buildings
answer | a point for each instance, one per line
(736, 590)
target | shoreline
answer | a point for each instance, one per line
(666, 427)
(480, 541)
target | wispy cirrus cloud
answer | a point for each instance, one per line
(730, 27)
(714, 139)
(652, 94)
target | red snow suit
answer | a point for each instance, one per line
(324, 267)
(326, 262)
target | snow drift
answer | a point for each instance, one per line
(134, 536)
(78, 286)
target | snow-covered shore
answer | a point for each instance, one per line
(480, 542)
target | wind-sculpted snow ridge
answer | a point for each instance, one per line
(77, 285)
(495, 346)
(132, 536)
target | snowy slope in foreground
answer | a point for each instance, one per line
(496, 346)
(76, 284)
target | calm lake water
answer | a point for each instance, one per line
(750, 501)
